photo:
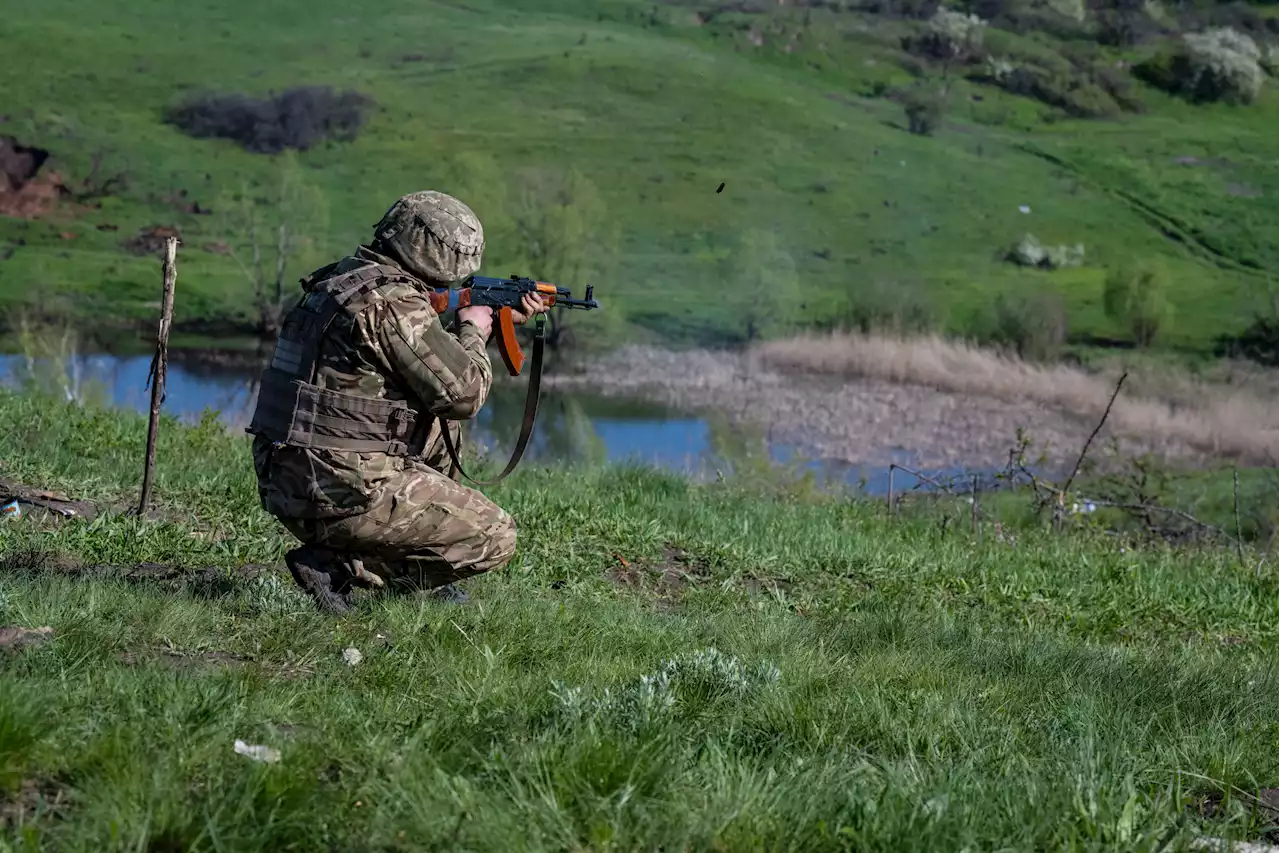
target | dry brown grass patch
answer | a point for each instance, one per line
(1237, 421)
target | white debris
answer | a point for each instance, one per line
(1024, 208)
(1221, 845)
(352, 656)
(257, 752)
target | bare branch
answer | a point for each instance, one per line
(1095, 432)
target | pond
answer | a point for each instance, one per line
(571, 428)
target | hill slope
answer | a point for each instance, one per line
(827, 198)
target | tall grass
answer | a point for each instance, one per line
(1237, 422)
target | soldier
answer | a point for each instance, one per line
(347, 442)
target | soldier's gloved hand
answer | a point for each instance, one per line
(530, 304)
(481, 315)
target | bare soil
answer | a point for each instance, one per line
(26, 190)
(665, 579)
(33, 797)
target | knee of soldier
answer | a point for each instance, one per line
(501, 533)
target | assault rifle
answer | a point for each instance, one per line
(504, 295)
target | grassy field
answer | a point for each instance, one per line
(827, 198)
(662, 666)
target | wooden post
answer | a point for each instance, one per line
(891, 467)
(159, 363)
(1235, 506)
(973, 506)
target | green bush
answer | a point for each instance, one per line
(897, 308)
(1033, 325)
(1136, 297)
(1259, 342)
(949, 35)
(1071, 92)
(925, 109)
(1029, 252)
(1217, 65)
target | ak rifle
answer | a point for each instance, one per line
(504, 295)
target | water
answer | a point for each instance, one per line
(572, 427)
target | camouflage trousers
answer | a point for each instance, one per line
(422, 529)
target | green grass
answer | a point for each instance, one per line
(878, 684)
(655, 117)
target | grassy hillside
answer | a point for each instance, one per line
(875, 684)
(827, 197)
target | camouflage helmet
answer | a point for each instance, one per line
(434, 236)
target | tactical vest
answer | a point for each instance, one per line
(293, 410)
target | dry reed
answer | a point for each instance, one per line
(1232, 421)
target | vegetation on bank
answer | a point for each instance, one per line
(592, 137)
(662, 665)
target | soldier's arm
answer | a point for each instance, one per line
(450, 374)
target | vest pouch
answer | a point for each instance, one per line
(300, 414)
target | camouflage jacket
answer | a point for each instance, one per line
(394, 347)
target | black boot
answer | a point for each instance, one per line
(323, 575)
(449, 594)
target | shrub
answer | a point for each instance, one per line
(1218, 65)
(925, 110)
(1136, 296)
(949, 35)
(1126, 22)
(1075, 93)
(916, 10)
(1029, 252)
(298, 118)
(1034, 326)
(903, 309)
(1259, 342)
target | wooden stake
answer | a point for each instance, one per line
(1235, 506)
(973, 506)
(891, 468)
(159, 364)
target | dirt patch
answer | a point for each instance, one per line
(150, 241)
(204, 583)
(665, 579)
(55, 503)
(25, 190)
(1264, 807)
(178, 659)
(194, 661)
(14, 639)
(758, 586)
(34, 798)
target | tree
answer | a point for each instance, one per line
(271, 233)
(1135, 296)
(764, 284)
(561, 232)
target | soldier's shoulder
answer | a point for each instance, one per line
(401, 293)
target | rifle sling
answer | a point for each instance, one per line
(526, 428)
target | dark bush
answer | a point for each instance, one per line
(1119, 85)
(1243, 17)
(925, 110)
(915, 10)
(1071, 93)
(1259, 342)
(1034, 325)
(894, 308)
(1217, 65)
(298, 118)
